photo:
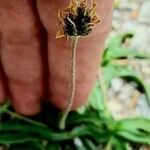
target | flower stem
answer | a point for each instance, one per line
(104, 94)
(5, 109)
(74, 41)
(18, 116)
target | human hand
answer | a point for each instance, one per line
(35, 65)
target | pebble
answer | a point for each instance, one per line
(141, 40)
(128, 5)
(111, 93)
(145, 68)
(117, 84)
(144, 12)
(145, 148)
(143, 106)
(147, 80)
(116, 14)
(130, 26)
(115, 108)
(126, 92)
(78, 142)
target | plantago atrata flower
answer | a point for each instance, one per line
(77, 21)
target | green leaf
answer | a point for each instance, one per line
(32, 131)
(112, 71)
(135, 137)
(79, 144)
(134, 124)
(87, 118)
(115, 49)
(96, 99)
(122, 52)
(97, 103)
(136, 130)
(3, 107)
(10, 138)
(92, 131)
(117, 40)
(116, 144)
(89, 144)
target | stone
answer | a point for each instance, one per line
(144, 12)
(111, 93)
(128, 5)
(145, 147)
(143, 106)
(130, 26)
(116, 108)
(117, 84)
(141, 39)
(145, 69)
(126, 92)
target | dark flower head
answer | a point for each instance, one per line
(77, 19)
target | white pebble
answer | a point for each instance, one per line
(117, 84)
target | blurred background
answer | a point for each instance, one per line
(125, 98)
(131, 16)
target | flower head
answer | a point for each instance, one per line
(77, 19)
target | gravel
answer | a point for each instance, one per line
(124, 99)
(144, 12)
(117, 84)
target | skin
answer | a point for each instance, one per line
(35, 65)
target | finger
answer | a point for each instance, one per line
(2, 91)
(3, 85)
(20, 54)
(88, 53)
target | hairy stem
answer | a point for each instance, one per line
(74, 41)
(5, 109)
(18, 116)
